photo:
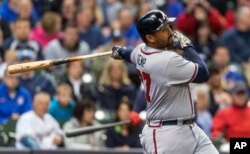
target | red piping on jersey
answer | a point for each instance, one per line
(194, 74)
(149, 53)
(155, 146)
(190, 100)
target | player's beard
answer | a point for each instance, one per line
(170, 41)
(162, 44)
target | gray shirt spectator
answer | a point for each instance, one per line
(69, 45)
(57, 49)
(83, 116)
(87, 141)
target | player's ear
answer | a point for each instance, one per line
(150, 38)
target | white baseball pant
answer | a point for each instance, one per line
(176, 139)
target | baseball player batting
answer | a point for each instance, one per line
(166, 74)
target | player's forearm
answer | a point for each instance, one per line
(191, 54)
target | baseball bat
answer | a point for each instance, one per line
(91, 129)
(36, 65)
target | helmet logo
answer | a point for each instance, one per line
(161, 21)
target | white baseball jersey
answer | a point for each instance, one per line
(165, 75)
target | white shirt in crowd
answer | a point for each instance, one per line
(43, 130)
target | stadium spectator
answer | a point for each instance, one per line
(49, 29)
(89, 32)
(204, 118)
(199, 12)
(68, 11)
(37, 129)
(218, 98)
(128, 28)
(81, 90)
(12, 9)
(110, 10)
(20, 40)
(114, 85)
(173, 8)
(26, 11)
(97, 12)
(98, 65)
(62, 105)
(204, 41)
(9, 10)
(67, 46)
(233, 121)
(243, 3)
(44, 6)
(230, 72)
(14, 99)
(32, 80)
(237, 39)
(83, 116)
(143, 8)
(123, 137)
(10, 57)
(132, 5)
(227, 9)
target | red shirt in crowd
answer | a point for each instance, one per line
(214, 19)
(232, 122)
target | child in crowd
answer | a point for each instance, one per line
(62, 105)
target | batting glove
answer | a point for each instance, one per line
(180, 41)
(135, 119)
(116, 52)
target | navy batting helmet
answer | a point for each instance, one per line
(151, 22)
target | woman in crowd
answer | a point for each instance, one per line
(204, 41)
(83, 116)
(114, 85)
(126, 136)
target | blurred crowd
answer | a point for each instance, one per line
(41, 105)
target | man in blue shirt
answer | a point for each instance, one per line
(14, 99)
(13, 9)
(237, 39)
(128, 28)
(88, 31)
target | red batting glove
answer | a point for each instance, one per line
(135, 119)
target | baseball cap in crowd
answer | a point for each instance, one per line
(26, 55)
(116, 35)
(238, 87)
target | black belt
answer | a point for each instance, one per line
(178, 122)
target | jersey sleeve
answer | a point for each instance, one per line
(180, 70)
(134, 54)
